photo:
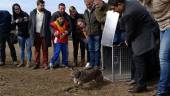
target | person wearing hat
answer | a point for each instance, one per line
(142, 33)
(76, 37)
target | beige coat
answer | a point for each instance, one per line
(160, 9)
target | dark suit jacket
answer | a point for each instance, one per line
(142, 30)
(45, 29)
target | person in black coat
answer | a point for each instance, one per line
(142, 36)
(20, 20)
(40, 33)
(76, 36)
(5, 36)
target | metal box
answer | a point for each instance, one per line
(116, 63)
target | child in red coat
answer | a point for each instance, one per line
(61, 39)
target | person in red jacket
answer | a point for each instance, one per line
(60, 25)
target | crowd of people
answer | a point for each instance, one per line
(143, 26)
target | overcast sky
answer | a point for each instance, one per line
(51, 5)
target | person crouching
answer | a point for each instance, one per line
(60, 25)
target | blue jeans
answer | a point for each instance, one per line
(63, 48)
(25, 42)
(58, 62)
(164, 82)
(94, 44)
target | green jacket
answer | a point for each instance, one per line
(100, 12)
(93, 26)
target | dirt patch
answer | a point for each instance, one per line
(27, 82)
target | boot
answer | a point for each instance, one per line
(137, 89)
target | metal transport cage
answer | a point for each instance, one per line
(116, 63)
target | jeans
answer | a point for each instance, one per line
(164, 82)
(63, 48)
(25, 42)
(58, 62)
(3, 41)
(94, 44)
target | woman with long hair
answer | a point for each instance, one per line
(20, 21)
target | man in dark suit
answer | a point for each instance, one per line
(142, 33)
(40, 33)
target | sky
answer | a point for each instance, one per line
(51, 5)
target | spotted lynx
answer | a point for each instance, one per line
(83, 76)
